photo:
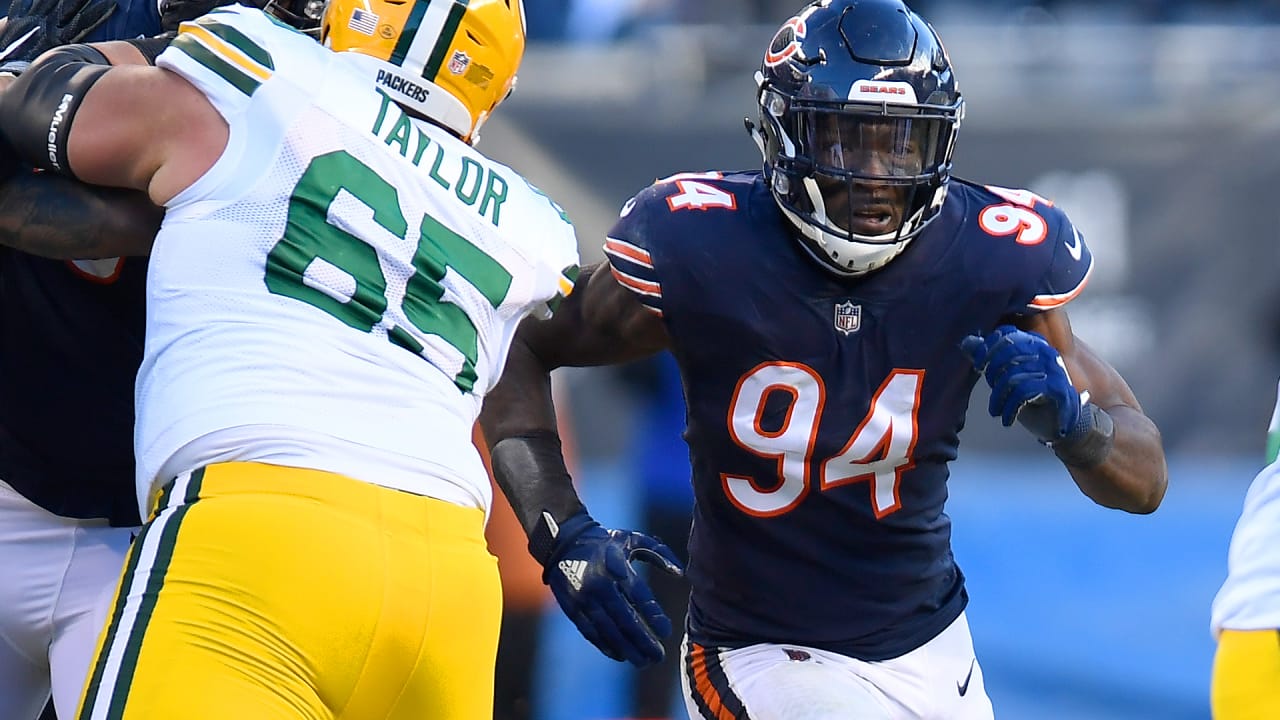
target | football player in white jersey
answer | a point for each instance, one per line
(1246, 611)
(333, 290)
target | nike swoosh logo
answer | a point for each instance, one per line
(964, 687)
(1076, 246)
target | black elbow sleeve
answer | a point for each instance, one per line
(531, 472)
(37, 110)
(151, 47)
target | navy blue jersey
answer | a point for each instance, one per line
(131, 19)
(822, 412)
(70, 344)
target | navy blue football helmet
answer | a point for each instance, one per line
(858, 117)
(304, 15)
(301, 14)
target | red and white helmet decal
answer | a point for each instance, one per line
(786, 42)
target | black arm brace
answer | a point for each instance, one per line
(531, 473)
(152, 47)
(1088, 445)
(37, 110)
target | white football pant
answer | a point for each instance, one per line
(53, 572)
(940, 680)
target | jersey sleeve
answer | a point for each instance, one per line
(224, 54)
(1069, 269)
(538, 229)
(559, 270)
(627, 248)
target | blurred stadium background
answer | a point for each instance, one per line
(1154, 124)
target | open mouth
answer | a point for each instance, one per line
(872, 221)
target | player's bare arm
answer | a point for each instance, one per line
(601, 323)
(1133, 476)
(161, 149)
(55, 216)
(129, 126)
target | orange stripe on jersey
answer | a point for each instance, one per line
(1050, 302)
(631, 252)
(701, 681)
(631, 282)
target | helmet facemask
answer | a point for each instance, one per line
(858, 117)
(303, 15)
(859, 180)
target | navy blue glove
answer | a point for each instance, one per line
(1028, 381)
(590, 573)
(34, 26)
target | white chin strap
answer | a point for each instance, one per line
(847, 256)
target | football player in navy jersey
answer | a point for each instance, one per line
(71, 339)
(70, 343)
(830, 314)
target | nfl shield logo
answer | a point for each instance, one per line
(459, 62)
(848, 317)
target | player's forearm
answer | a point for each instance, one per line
(53, 216)
(519, 426)
(521, 402)
(1133, 476)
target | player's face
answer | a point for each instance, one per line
(861, 149)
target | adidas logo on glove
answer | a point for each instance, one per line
(573, 571)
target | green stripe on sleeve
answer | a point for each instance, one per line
(239, 40)
(234, 76)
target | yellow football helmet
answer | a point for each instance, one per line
(452, 61)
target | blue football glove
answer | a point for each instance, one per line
(1028, 382)
(35, 26)
(590, 573)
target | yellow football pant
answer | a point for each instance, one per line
(258, 592)
(1246, 675)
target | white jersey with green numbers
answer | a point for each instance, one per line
(340, 289)
(1250, 597)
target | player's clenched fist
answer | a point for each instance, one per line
(1029, 383)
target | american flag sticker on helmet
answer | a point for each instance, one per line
(363, 21)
